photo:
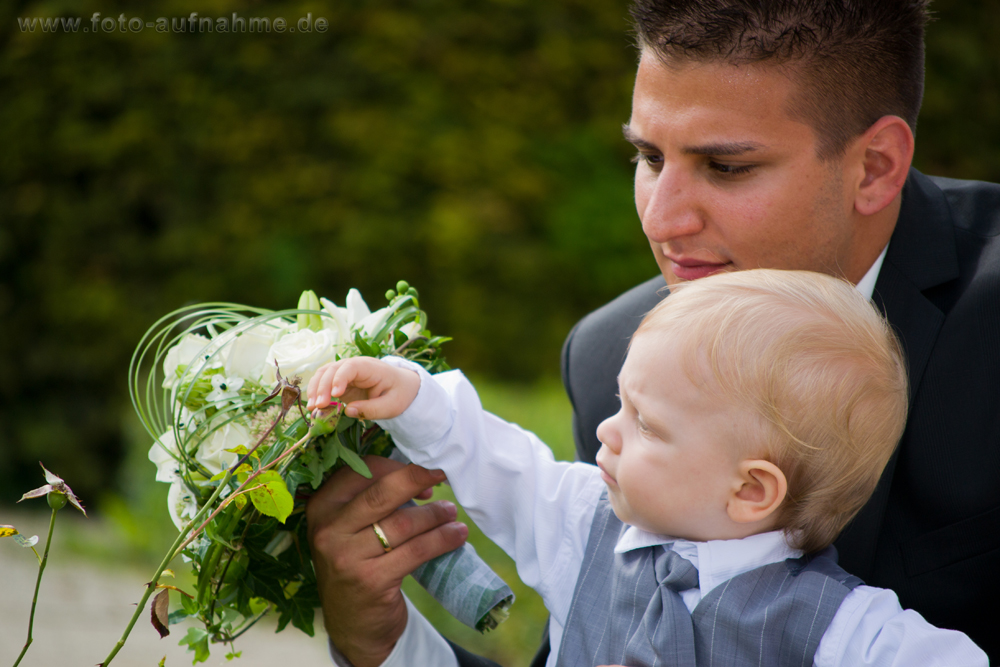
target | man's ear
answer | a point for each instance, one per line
(759, 491)
(884, 153)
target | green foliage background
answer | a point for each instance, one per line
(470, 146)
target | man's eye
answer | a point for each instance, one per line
(730, 169)
(652, 159)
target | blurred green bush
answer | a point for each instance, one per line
(469, 146)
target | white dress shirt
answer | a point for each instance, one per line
(540, 510)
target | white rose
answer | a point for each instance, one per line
(160, 454)
(181, 354)
(300, 354)
(180, 504)
(212, 452)
(246, 354)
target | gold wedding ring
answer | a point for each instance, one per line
(380, 534)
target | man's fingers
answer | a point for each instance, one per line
(407, 557)
(345, 484)
(408, 522)
(394, 489)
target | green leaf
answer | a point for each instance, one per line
(331, 453)
(190, 606)
(197, 641)
(271, 497)
(314, 465)
(364, 347)
(177, 615)
(355, 461)
(300, 609)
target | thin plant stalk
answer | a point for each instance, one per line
(175, 548)
(38, 583)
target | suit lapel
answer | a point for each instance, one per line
(921, 255)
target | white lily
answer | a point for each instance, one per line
(355, 316)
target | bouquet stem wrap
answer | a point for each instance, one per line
(463, 583)
(467, 587)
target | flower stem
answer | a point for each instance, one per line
(38, 583)
(175, 548)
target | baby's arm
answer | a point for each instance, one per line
(535, 508)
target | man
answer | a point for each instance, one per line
(778, 136)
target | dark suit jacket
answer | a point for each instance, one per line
(931, 531)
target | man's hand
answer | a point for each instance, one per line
(371, 389)
(363, 607)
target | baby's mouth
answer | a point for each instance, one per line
(608, 479)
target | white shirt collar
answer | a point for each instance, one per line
(717, 560)
(867, 284)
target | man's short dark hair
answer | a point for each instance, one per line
(853, 60)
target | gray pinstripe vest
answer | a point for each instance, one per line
(772, 616)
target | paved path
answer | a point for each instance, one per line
(84, 607)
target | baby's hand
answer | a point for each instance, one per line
(371, 389)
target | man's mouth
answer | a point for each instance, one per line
(692, 269)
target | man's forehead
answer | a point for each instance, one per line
(712, 108)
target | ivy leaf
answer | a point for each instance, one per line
(271, 497)
(352, 459)
(160, 613)
(197, 641)
(300, 609)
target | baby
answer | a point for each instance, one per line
(758, 409)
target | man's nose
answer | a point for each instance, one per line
(672, 209)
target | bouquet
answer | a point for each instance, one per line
(221, 388)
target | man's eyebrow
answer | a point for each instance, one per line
(727, 149)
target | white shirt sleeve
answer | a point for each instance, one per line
(871, 628)
(535, 508)
(420, 644)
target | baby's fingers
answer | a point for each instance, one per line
(319, 386)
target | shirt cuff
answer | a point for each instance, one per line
(428, 418)
(420, 644)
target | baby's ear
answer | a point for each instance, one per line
(759, 491)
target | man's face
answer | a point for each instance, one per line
(726, 180)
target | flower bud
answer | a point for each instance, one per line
(402, 286)
(309, 301)
(56, 500)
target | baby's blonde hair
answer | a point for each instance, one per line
(817, 366)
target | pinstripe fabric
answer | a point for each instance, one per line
(626, 609)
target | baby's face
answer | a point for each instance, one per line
(669, 456)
